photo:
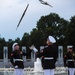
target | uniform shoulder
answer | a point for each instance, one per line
(45, 46)
(66, 54)
(13, 52)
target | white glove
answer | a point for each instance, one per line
(33, 48)
(16, 66)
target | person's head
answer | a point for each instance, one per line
(50, 40)
(70, 48)
(15, 46)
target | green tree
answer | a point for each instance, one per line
(17, 40)
(25, 39)
(2, 43)
(53, 25)
(70, 33)
(35, 37)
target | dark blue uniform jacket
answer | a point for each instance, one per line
(49, 55)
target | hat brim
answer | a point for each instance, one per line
(14, 45)
(52, 39)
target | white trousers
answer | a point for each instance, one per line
(49, 72)
(18, 71)
(71, 71)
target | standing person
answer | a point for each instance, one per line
(16, 59)
(69, 60)
(49, 55)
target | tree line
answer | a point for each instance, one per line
(51, 24)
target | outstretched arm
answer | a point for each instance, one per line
(26, 54)
(33, 48)
(11, 59)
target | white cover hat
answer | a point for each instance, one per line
(14, 45)
(70, 46)
(51, 39)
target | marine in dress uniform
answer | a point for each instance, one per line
(16, 59)
(69, 59)
(49, 55)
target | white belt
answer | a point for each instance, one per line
(70, 60)
(18, 60)
(48, 58)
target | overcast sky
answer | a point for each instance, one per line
(11, 12)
